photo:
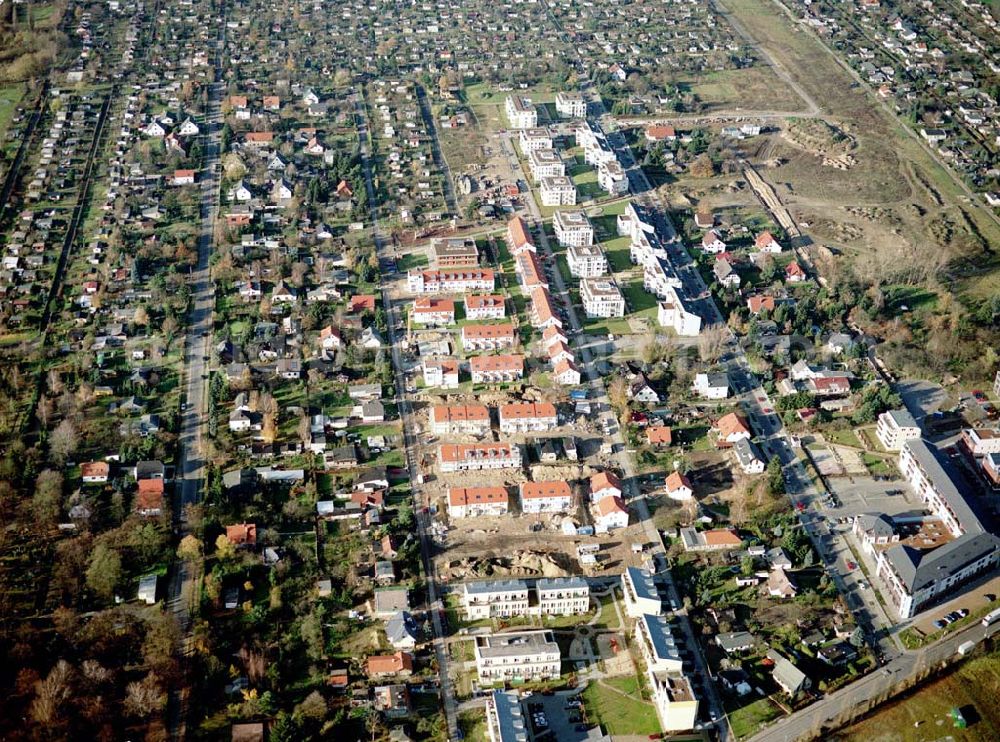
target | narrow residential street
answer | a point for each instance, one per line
(404, 405)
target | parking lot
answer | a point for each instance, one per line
(558, 718)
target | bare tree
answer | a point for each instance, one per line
(145, 697)
(711, 342)
(63, 442)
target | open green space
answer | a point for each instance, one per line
(615, 705)
(747, 720)
(974, 688)
(10, 96)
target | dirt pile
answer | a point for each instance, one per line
(520, 564)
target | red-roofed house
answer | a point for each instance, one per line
(609, 513)
(242, 534)
(473, 502)
(95, 472)
(400, 663)
(149, 498)
(546, 497)
(759, 303)
(731, 428)
(765, 242)
(604, 484)
(794, 273)
(679, 487)
(660, 133)
(361, 303)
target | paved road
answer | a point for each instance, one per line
(190, 472)
(410, 440)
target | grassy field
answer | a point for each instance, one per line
(753, 88)
(974, 688)
(10, 96)
(746, 720)
(618, 709)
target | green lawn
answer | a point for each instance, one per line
(746, 720)
(845, 437)
(10, 96)
(619, 255)
(620, 714)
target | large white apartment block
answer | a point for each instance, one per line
(545, 163)
(455, 457)
(586, 261)
(571, 104)
(545, 497)
(612, 178)
(441, 372)
(475, 502)
(674, 314)
(473, 419)
(532, 140)
(524, 655)
(644, 592)
(674, 699)
(449, 281)
(917, 578)
(563, 596)
(557, 190)
(981, 441)
(521, 113)
(595, 144)
(487, 337)
(505, 720)
(657, 643)
(896, 427)
(601, 298)
(572, 228)
(525, 417)
(500, 369)
(485, 306)
(558, 596)
(495, 599)
(433, 311)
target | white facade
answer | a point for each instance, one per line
(601, 298)
(545, 163)
(642, 592)
(612, 178)
(460, 420)
(520, 113)
(532, 140)
(449, 281)
(672, 313)
(526, 655)
(557, 191)
(525, 417)
(476, 502)
(439, 372)
(545, 497)
(896, 427)
(494, 599)
(674, 699)
(478, 457)
(571, 105)
(572, 228)
(586, 261)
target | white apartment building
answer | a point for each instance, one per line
(595, 144)
(658, 645)
(896, 427)
(586, 261)
(981, 441)
(505, 720)
(521, 113)
(455, 457)
(449, 281)
(914, 578)
(525, 655)
(499, 369)
(557, 190)
(612, 178)
(433, 311)
(476, 502)
(525, 417)
(532, 140)
(571, 104)
(545, 163)
(487, 337)
(473, 419)
(601, 298)
(563, 596)
(674, 699)
(572, 228)
(545, 497)
(558, 596)
(674, 314)
(495, 599)
(485, 306)
(644, 592)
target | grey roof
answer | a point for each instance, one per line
(785, 673)
(919, 569)
(877, 524)
(491, 586)
(732, 641)
(926, 457)
(902, 418)
(561, 583)
(661, 637)
(509, 716)
(515, 644)
(400, 627)
(644, 583)
(747, 452)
